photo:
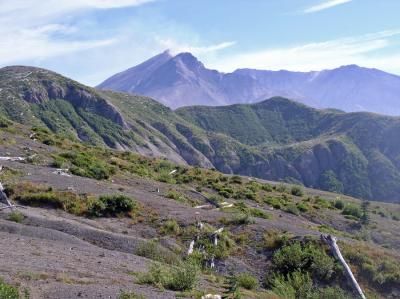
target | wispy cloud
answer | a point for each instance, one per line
(33, 29)
(176, 47)
(316, 56)
(324, 5)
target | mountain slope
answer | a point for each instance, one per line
(355, 153)
(277, 139)
(182, 80)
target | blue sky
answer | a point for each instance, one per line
(90, 40)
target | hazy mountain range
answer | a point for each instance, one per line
(182, 80)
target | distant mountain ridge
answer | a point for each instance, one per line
(182, 80)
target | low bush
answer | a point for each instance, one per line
(7, 291)
(308, 257)
(302, 207)
(275, 202)
(377, 267)
(339, 204)
(274, 239)
(297, 191)
(258, 213)
(293, 285)
(238, 219)
(152, 250)
(247, 281)
(16, 217)
(292, 209)
(112, 205)
(180, 278)
(352, 210)
(78, 204)
(87, 164)
(170, 227)
(130, 295)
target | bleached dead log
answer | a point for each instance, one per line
(4, 199)
(218, 231)
(12, 159)
(172, 172)
(332, 242)
(226, 205)
(200, 225)
(190, 250)
(203, 207)
(62, 171)
(211, 296)
(212, 263)
(206, 198)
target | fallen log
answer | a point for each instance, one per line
(332, 243)
(206, 198)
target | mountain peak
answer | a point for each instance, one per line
(183, 80)
(188, 59)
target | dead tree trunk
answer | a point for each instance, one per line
(3, 196)
(332, 242)
(206, 198)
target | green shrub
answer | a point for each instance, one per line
(88, 164)
(297, 191)
(274, 239)
(247, 281)
(180, 278)
(308, 257)
(302, 207)
(352, 210)
(7, 291)
(235, 179)
(112, 205)
(152, 250)
(258, 213)
(170, 227)
(183, 277)
(292, 209)
(16, 217)
(339, 204)
(281, 188)
(377, 267)
(130, 295)
(274, 202)
(238, 219)
(267, 187)
(331, 293)
(175, 195)
(293, 285)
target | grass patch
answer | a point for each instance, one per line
(78, 204)
(247, 281)
(8, 291)
(179, 278)
(16, 217)
(154, 251)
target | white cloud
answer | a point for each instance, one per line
(31, 29)
(176, 47)
(317, 56)
(325, 5)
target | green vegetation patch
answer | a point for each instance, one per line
(176, 278)
(8, 291)
(78, 204)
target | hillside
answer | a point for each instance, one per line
(116, 224)
(182, 80)
(278, 139)
(354, 153)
